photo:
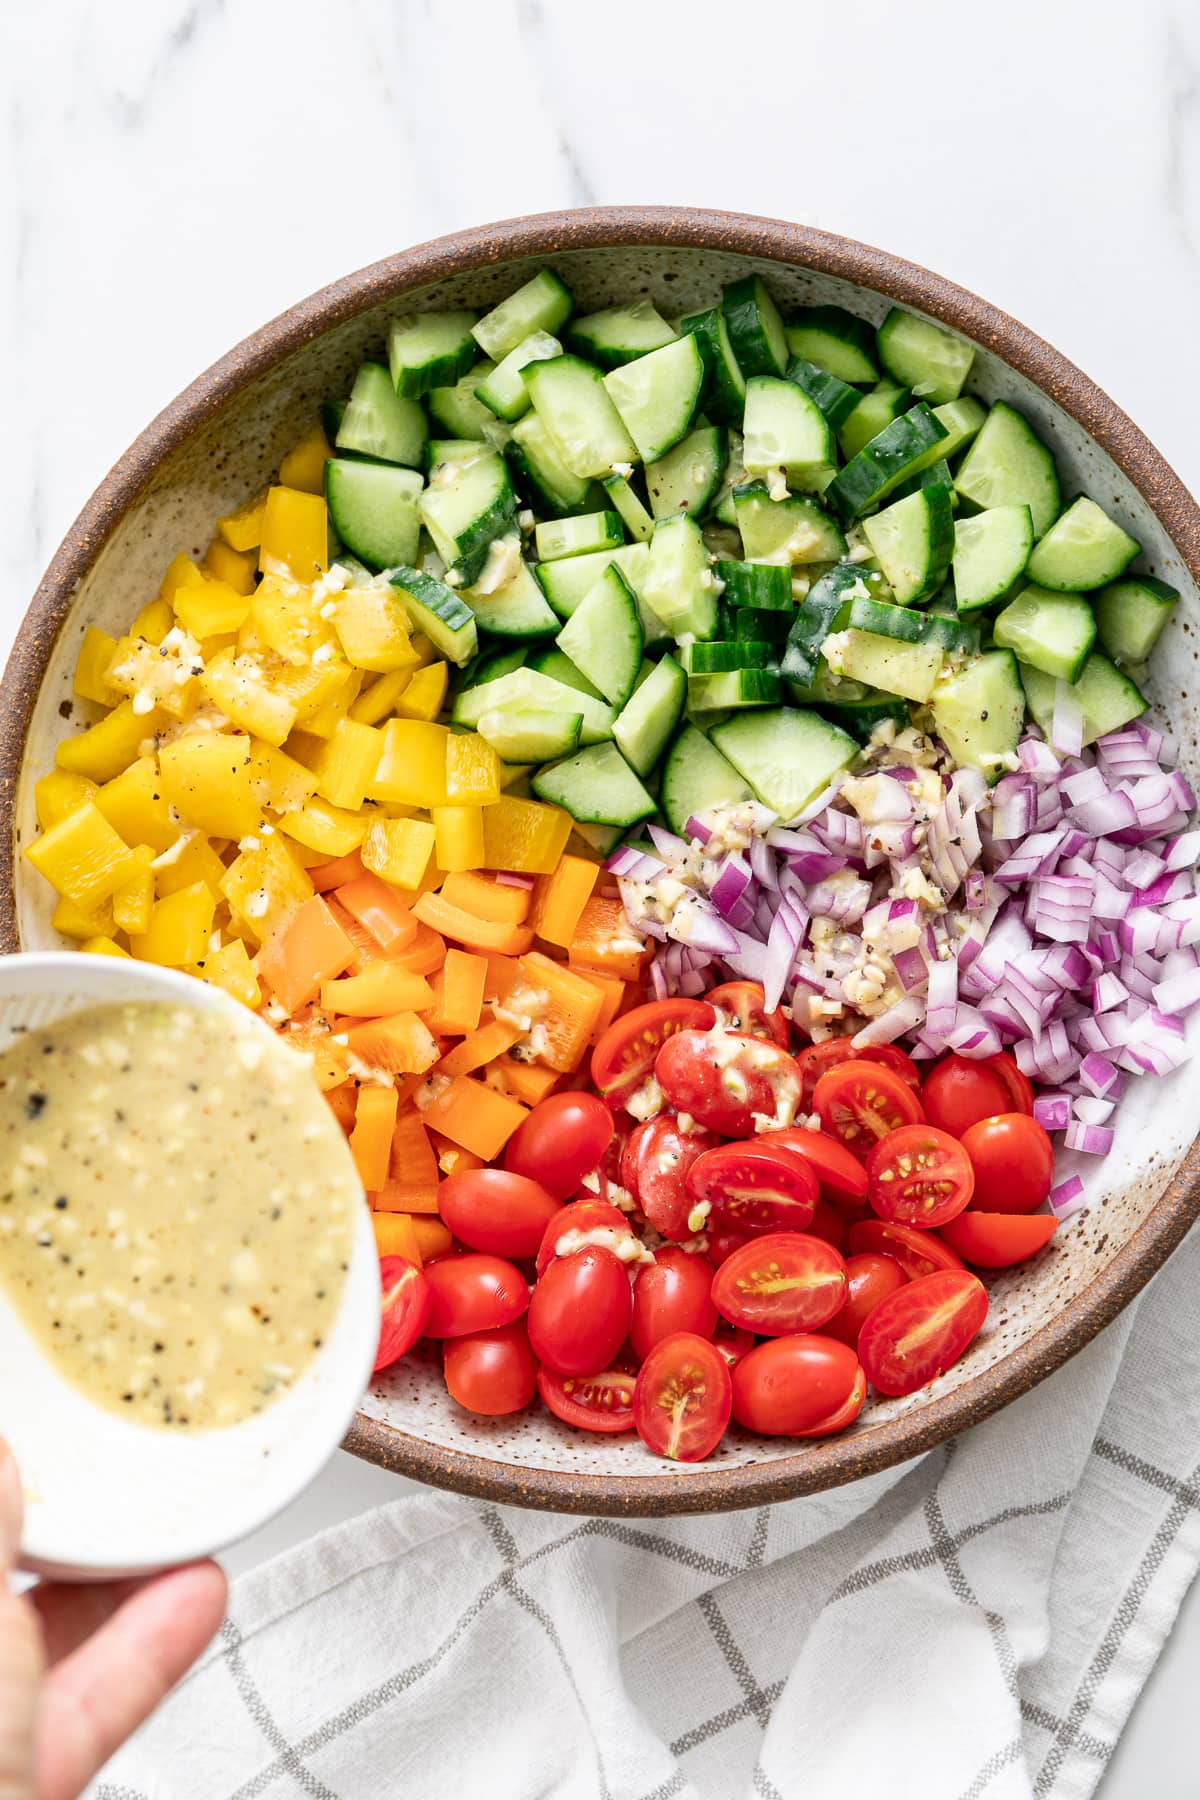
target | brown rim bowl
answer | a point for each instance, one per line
(217, 443)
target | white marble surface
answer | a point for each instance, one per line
(176, 171)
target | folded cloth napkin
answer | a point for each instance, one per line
(973, 1626)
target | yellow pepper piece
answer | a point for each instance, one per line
(230, 968)
(399, 850)
(95, 654)
(196, 861)
(242, 528)
(322, 720)
(181, 572)
(524, 836)
(83, 921)
(460, 841)
(135, 805)
(295, 535)
(346, 764)
(102, 946)
(316, 688)
(60, 793)
(425, 694)
(237, 568)
(285, 618)
(179, 929)
(378, 702)
(134, 899)
(236, 686)
(330, 830)
(154, 621)
(110, 745)
(277, 780)
(304, 465)
(263, 885)
(213, 609)
(158, 676)
(412, 768)
(82, 857)
(472, 771)
(206, 777)
(372, 627)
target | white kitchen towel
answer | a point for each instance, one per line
(975, 1626)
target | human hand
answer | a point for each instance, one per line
(82, 1666)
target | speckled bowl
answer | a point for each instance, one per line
(219, 441)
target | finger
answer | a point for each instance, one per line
(20, 1649)
(102, 1691)
(71, 1612)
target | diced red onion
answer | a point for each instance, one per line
(667, 844)
(507, 878)
(698, 829)
(631, 864)
(906, 1015)
(1053, 1111)
(1090, 1109)
(1066, 729)
(1101, 1077)
(732, 882)
(1067, 1198)
(1092, 1140)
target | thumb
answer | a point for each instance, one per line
(21, 1656)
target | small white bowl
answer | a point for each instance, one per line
(105, 1498)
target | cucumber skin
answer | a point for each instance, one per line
(695, 776)
(885, 461)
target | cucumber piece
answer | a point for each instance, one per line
(528, 690)
(530, 737)
(784, 428)
(573, 403)
(595, 840)
(428, 350)
(377, 423)
(765, 586)
(657, 395)
(733, 476)
(332, 414)
(961, 420)
(926, 357)
(1083, 549)
(649, 717)
(543, 304)
(1130, 616)
(619, 334)
(835, 340)
(886, 460)
(1104, 694)
(465, 507)
(979, 714)
(603, 637)
(958, 637)
(596, 786)
(504, 391)
(452, 450)
(908, 669)
(795, 530)
(561, 668)
(566, 581)
(836, 398)
(914, 540)
(374, 509)
(885, 402)
(860, 613)
(579, 535)
(1008, 465)
(637, 521)
(724, 396)
(814, 620)
(1052, 632)
(733, 689)
(755, 328)
(680, 587)
(788, 755)
(490, 665)
(937, 472)
(697, 777)
(861, 715)
(456, 409)
(727, 655)
(541, 472)
(439, 612)
(990, 554)
(751, 625)
(687, 477)
(515, 608)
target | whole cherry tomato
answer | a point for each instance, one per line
(918, 1332)
(919, 1176)
(1013, 1160)
(673, 1293)
(990, 1240)
(494, 1210)
(491, 1372)
(473, 1293)
(841, 1175)
(792, 1386)
(579, 1312)
(870, 1278)
(726, 1081)
(602, 1402)
(732, 1342)
(860, 1102)
(584, 1222)
(560, 1141)
(626, 1053)
(742, 1005)
(958, 1092)
(405, 1304)
(753, 1187)
(787, 1282)
(683, 1398)
(658, 1155)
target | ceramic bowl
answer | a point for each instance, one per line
(218, 443)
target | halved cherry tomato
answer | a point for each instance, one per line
(724, 1080)
(1020, 1089)
(829, 1225)
(625, 1054)
(473, 1293)
(405, 1300)
(994, 1240)
(561, 1139)
(817, 1059)
(722, 1244)
(654, 1167)
(753, 1187)
(783, 1283)
(920, 1176)
(673, 1293)
(491, 1372)
(791, 1386)
(870, 1278)
(732, 1342)
(917, 1252)
(841, 1175)
(860, 1102)
(601, 1402)
(1013, 1160)
(683, 1398)
(594, 1220)
(958, 1092)
(495, 1210)
(918, 1332)
(742, 1004)
(579, 1312)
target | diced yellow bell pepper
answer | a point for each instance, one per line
(134, 804)
(262, 886)
(412, 768)
(230, 968)
(285, 618)
(524, 836)
(83, 921)
(212, 609)
(322, 720)
(102, 946)
(472, 771)
(399, 850)
(460, 843)
(295, 535)
(378, 702)
(316, 688)
(58, 794)
(82, 857)
(425, 694)
(346, 764)
(134, 899)
(109, 745)
(330, 830)
(237, 687)
(304, 465)
(154, 676)
(242, 528)
(181, 572)
(179, 929)
(154, 621)
(372, 627)
(207, 778)
(237, 568)
(278, 781)
(196, 861)
(91, 671)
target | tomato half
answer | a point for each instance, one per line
(917, 1252)
(782, 1283)
(579, 1312)
(742, 1006)
(829, 1225)
(673, 1293)
(791, 1386)
(491, 1372)
(724, 1080)
(654, 1168)
(958, 1092)
(561, 1139)
(626, 1053)
(817, 1059)
(918, 1332)
(870, 1278)
(753, 1187)
(405, 1308)
(842, 1177)
(919, 1176)
(722, 1244)
(860, 1102)
(594, 1221)
(495, 1210)
(473, 1293)
(992, 1240)
(683, 1398)
(601, 1402)
(1013, 1160)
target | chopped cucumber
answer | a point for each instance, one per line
(864, 710)
(733, 690)
(599, 840)
(788, 756)
(697, 777)
(541, 472)
(724, 396)
(910, 670)
(579, 535)
(439, 612)
(687, 477)
(886, 460)
(885, 402)
(456, 408)
(680, 588)
(784, 428)
(490, 665)
(637, 521)
(646, 722)
(961, 420)
(834, 340)
(505, 391)
(1083, 549)
(377, 423)
(752, 625)
(453, 450)
(836, 398)
(603, 637)
(543, 304)
(596, 786)
(755, 328)
(566, 581)
(721, 655)
(465, 507)
(926, 357)
(429, 350)
(1052, 632)
(573, 403)
(1105, 696)
(373, 508)
(990, 554)
(814, 620)
(515, 608)
(795, 530)
(530, 737)
(979, 714)
(859, 612)
(958, 636)
(657, 395)
(1008, 465)
(528, 690)
(914, 540)
(620, 334)
(559, 667)
(1131, 614)
(765, 586)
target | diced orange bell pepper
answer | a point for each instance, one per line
(529, 1082)
(570, 1015)
(337, 873)
(559, 899)
(371, 1139)
(402, 1197)
(425, 955)
(480, 1047)
(614, 991)
(380, 989)
(475, 1116)
(458, 988)
(605, 941)
(413, 1162)
(381, 910)
(504, 972)
(452, 1159)
(308, 949)
(487, 898)
(396, 1235)
(343, 1102)
(467, 928)
(433, 1238)
(399, 1045)
(330, 1060)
